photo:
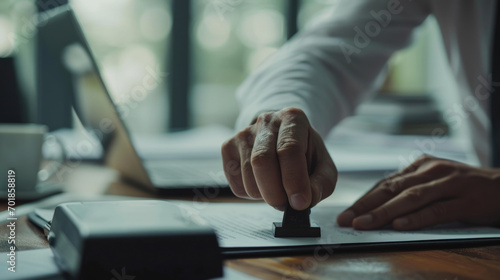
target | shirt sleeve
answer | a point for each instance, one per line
(333, 63)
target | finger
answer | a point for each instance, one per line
(436, 213)
(232, 168)
(291, 149)
(384, 192)
(390, 184)
(424, 159)
(409, 169)
(407, 201)
(323, 181)
(245, 144)
(265, 164)
(322, 170)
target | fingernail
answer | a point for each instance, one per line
(401, 222)
(364, 220)
(347, 216)
(298, 201)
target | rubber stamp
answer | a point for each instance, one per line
(296, 223)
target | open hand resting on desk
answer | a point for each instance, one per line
(279, 157)
(429, 192)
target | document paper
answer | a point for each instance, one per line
(249, 225)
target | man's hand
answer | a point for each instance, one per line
(280, 157)
(429, 192)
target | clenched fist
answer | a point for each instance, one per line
(280, 157)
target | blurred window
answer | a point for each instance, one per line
(130, 40)
(228, 39)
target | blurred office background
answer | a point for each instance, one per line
(201, 50)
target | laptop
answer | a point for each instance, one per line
(96, 110)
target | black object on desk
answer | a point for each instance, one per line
(296, 224)
(142, 239)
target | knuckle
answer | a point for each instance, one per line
(288, 147)
(413, 195)
(388, 188)
(287, 131)
(293, 113)
(245, 135)
(440, 166)
(264, 138)
(436, 167)
(265, 118)
(459, 173)
(261, 157)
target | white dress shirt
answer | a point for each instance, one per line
(329, 67)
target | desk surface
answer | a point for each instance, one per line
(456, 263)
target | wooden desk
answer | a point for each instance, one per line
(459, 263)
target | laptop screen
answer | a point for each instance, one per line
(93, 104)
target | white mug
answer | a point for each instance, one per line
(20, 157)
